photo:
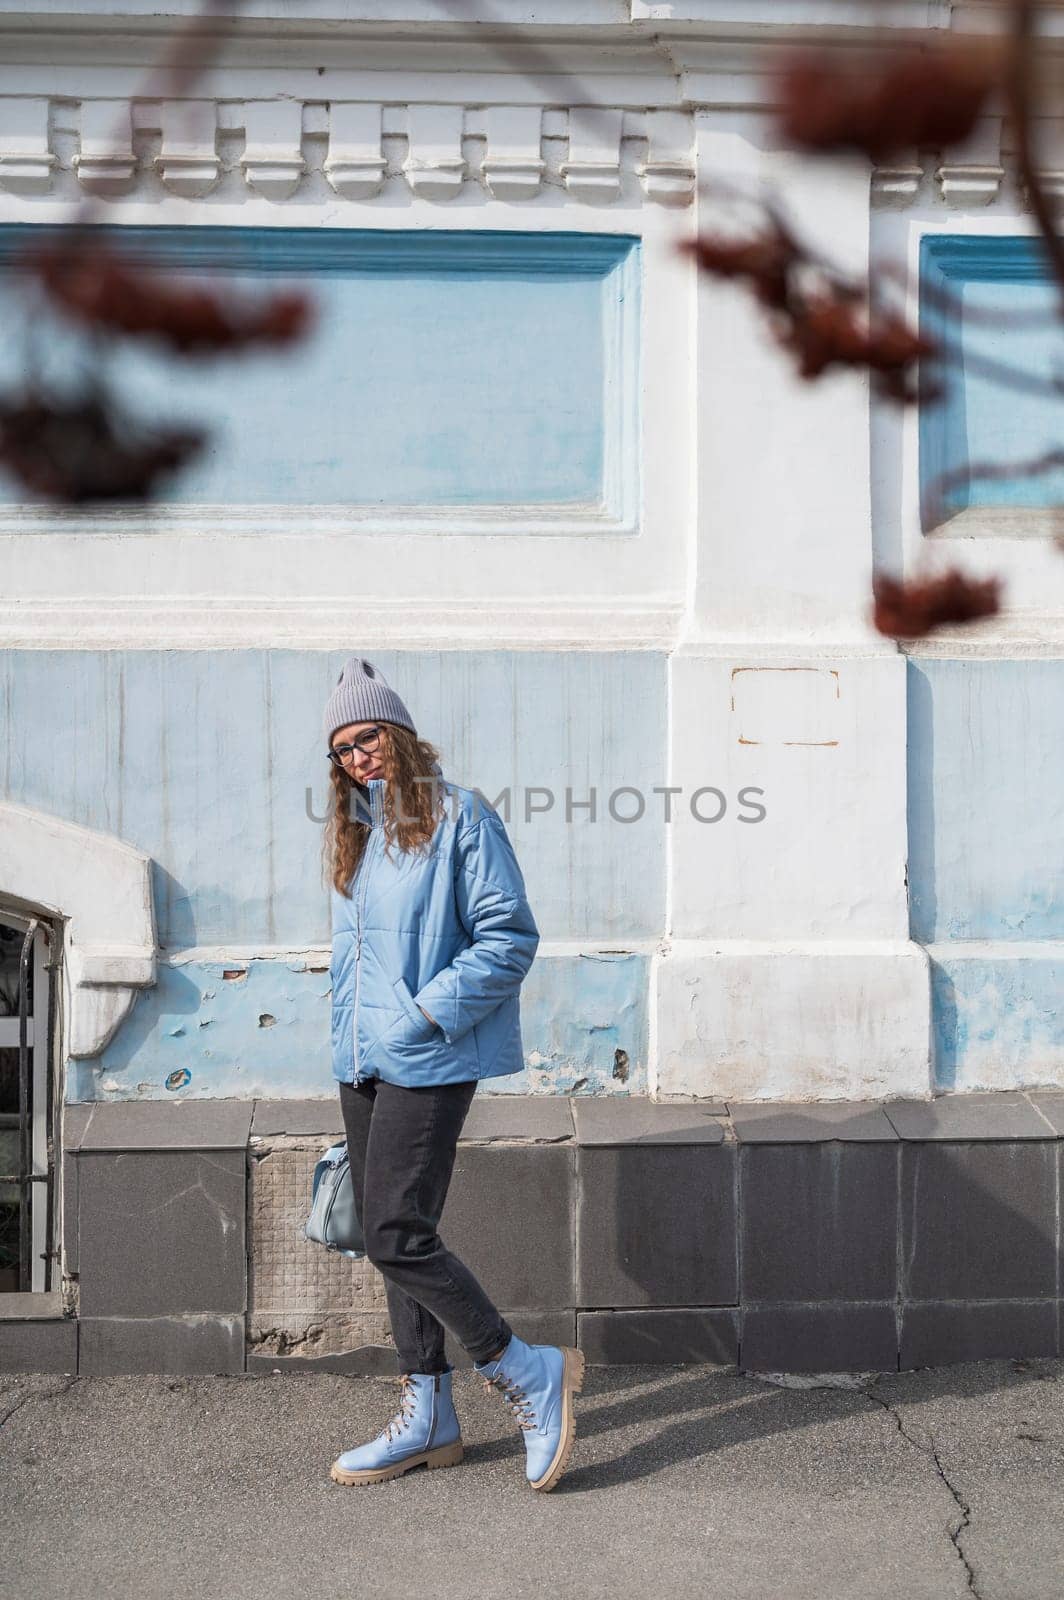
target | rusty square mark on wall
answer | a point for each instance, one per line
(785, 705)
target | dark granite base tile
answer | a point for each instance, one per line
(1001, 1114)
(534, 1327)
(1050, 1104)
(631, 1119)
(70, 1212)
(109, 1346)
(610, 1338)
(656, 1225)
(368, 1361)
(819, 1338)
(508, 1217)
(298, 1117)
(819, 1221)
(937, 1334)
(978, 1221)
(50, 1346)
(76, 1117)
(162, 1232)
(169, 1125)
(777, 1122)
(535, 1117)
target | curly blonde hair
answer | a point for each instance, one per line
(412, 809)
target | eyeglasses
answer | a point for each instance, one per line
(367, 742)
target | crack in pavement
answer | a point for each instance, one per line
(932, 1454)
(36, 1394)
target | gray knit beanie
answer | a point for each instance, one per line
(363, 694)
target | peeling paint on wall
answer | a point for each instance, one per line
(269, 1033)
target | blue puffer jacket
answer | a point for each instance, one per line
(450, 930)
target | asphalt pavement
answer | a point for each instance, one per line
(684, 1480)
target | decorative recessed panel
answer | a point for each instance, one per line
(449, 373)
(991, 303)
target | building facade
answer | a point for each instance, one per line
(570, 497)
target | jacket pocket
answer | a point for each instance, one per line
(416, 1018)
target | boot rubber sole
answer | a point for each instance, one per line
(445, 1455)
(572, 1383)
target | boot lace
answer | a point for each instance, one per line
(515, 1398)
(407, 1396)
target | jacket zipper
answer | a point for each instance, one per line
(360, 906)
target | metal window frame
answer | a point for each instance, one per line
(35, 1175)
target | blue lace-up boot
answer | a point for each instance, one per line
(538, 1382)
(424, 1429)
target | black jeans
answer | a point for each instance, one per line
(401, 1146)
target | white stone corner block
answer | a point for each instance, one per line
(513, 166)
(355, 162)
(593, 170)
(897, 182)
(99, 889)
(972, 173)
(105, 163)
(188, 161)
(26, 160)
(969, 186)
(273, 147)
(434, 165)
(668, 173)
(784, 1020)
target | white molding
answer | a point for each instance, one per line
(192, 622)
(319, 955)
(668, 173)
(563, 22)
(603, 147)
(1010, 636)
(490, 622)
(788, 16)
(355, 163)
(897, 183)
(995, 949)
(188, 162)
(973, 174)
(273, 156)
(26, 158)
(1001, 522)
(967, 184)
(105, 163)
(593, 171)
(100, 889)
(513, 166)
(240, 521)
(434, 166)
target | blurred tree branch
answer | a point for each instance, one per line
(886, 101)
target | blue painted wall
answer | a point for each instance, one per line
(212, 763)
(997, 1021)
(244, 1028)
(986, 821)
(986, 799)
(461, 368)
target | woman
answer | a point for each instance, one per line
(432, 938)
